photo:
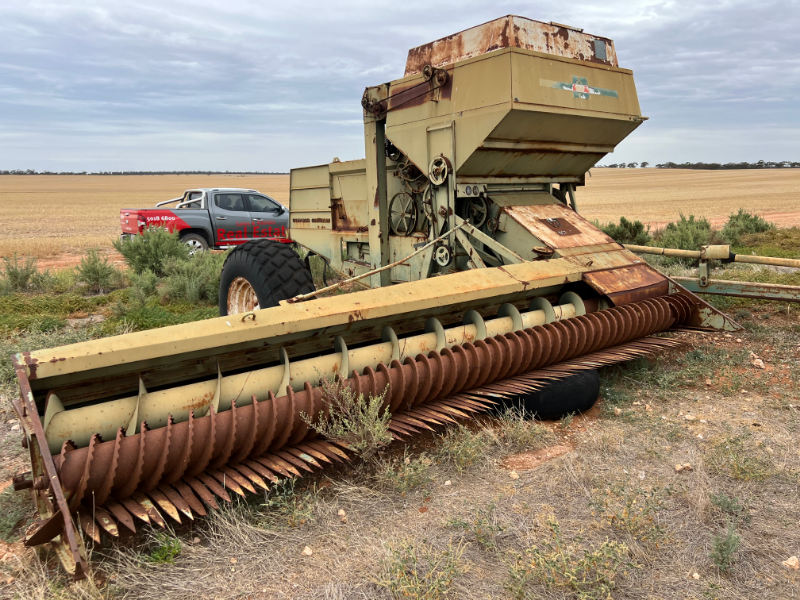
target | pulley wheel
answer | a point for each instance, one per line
(476, 211)
(443, 256)
(402, 214)
(438, 170)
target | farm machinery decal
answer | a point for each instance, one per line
(579, 87)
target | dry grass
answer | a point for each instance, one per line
(47, 215)
(656, 196)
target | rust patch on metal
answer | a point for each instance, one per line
(533, 218)
(561, 226)
(628, 284)
(417, 94)
(31, 364)
(509, 32)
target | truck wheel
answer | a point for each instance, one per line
(196, 242)
(260, 274)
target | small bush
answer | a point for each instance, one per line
(729, 505)
(744, 223)
(735, 457)
(194, 280)
(628, 232)
(406, 474)
(588, 573)
(519, 431)
(463, 447)
(724, 547)
(349, 419)
(143, 286)
(152, 250)
(423, 573)
(687, 234)
(96, 272)
(483, 524)
(166, 550)
(633, 510)
(23, 276)
(292, 507)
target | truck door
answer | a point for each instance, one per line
(270, 219)
(231, 219)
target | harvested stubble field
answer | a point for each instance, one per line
(657, 196)
(48, 216)
(51, 215)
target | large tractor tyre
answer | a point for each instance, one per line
(260, 274)
(196, 242)
(574, 394)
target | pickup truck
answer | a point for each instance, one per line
(214, 218)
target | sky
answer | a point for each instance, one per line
(258, 85)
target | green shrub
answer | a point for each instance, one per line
(96, 272)
(143, 286)
(287, 505)
(152, 250)
(352, 420)
(406, 474)
(628, 232)
(166, 550)
(724, 547)
(744, 223)
(520, 431)
(153, 315)
(687, 234)
(483, 524)
(22, 276)
(730, 506)
(586, 573)
(195, 279)
(423, 572)
(463, 447)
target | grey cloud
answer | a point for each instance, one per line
(250, 85)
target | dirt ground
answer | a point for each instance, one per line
(47, 216)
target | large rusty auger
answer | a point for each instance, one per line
(241, 442)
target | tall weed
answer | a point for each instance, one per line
(152, 250)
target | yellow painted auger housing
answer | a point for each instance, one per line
(486, 285)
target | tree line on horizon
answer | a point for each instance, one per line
(762, 164)
(34, 172)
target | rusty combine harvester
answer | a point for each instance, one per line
(486, 285)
